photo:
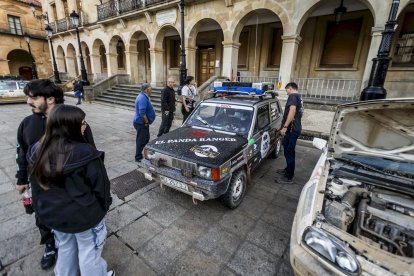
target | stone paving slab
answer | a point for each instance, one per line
(158, 231)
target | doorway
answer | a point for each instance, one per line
(207, 59)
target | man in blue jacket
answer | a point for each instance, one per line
(144, 116)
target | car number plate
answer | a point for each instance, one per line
(173, 183)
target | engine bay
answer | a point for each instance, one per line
(380, 216)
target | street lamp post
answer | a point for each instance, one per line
(183, 69)
(375, 88)
(75, 22)
(49, 33)
(34, 72)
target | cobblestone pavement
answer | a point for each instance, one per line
(156, 231)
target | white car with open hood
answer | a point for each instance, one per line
(356, 213)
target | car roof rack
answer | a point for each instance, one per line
(9, 77)
(260, 90)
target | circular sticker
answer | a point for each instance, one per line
(264, 147)
(205, 151)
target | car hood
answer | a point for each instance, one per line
(381, 128)
(204, 147)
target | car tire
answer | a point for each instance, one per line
(276, 152)
(236, 190)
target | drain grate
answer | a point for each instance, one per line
(128, 183)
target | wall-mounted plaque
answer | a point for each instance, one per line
(166, 17)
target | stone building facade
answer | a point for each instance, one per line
(16, 18)
(254, 40)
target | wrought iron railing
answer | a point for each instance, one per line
(404, 55)
(107, 10)
(62, 25)
(113, 8)
(329, 90)
(129, 5)
(53, 26)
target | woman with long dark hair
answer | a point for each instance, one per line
(70, 190)
(188, 93)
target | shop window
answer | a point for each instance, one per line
(102, 53)
(275, 48)
(243, 50)
(15, 26)
(175, 49)
(341, 43)
(404, 50)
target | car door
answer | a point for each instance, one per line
(275, 123)
(260, 142)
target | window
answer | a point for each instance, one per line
(262, 117)
(404, 51)
(175, 47)
(65, 8)
(243, 50)
(274, 111)
(15, 26)
(275, 48)
(341, 43)
(120, 54)
(55, 18)
(102, 53)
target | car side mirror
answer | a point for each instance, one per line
(319, 143)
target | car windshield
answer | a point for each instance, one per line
(7, 86)
(224, 117)
(386, 165)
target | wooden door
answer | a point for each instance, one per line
(206, 65)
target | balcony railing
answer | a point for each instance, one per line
(114, 8)
(329, 90)
(63, 25)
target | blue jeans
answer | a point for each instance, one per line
(78, 94)
(81, 252)
(143, 137)
(289, 144)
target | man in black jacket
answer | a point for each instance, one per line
(42, 96)
(167, 107)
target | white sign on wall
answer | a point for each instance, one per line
(166, 17)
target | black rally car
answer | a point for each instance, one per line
(213, 154)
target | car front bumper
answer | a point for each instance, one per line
(199, 188)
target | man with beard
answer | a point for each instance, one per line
(42, 96)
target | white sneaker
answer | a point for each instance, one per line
(111, 273)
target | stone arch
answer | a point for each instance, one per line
(99, 62)
(403, 44)
(71, 61)
(20, 63)
(403, 5)
(138, 57)
(242, 17)
(61, 59)
(315, 5)
(161, 34)
(116, 56)
(194, 29)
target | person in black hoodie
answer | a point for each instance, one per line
(167, 107)
(71, 192)
(42, 96)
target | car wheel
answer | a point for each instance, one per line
(275, 153)
(236, 191)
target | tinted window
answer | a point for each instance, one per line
(262, 117)
(274, 111)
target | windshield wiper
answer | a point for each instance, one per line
(205, 123)
(365, 166)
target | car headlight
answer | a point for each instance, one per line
(331, 249)
(204, 172)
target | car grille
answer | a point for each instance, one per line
(188, 169)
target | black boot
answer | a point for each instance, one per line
(49, 257)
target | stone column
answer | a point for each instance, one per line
(96, 67)
(132, 65)
(289, 55)
(71, 66)
(191, 60)
(230, 59)
(376, 33)
(111, 60)
(157, 67)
